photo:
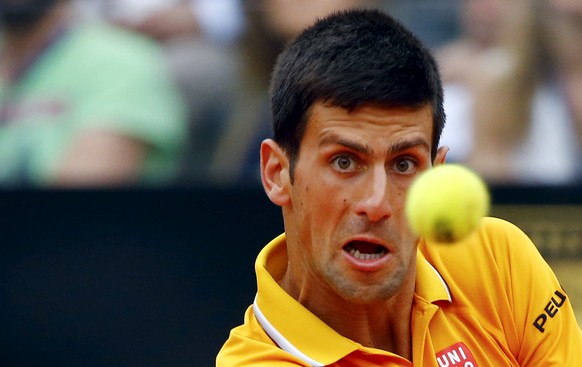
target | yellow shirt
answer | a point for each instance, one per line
(490, 300)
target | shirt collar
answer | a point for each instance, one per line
(298, 331)
(430, 285)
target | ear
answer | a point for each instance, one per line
(275, 172)
(441, 156)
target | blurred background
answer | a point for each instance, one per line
(130, 203)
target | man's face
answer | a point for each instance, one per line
(345, 220)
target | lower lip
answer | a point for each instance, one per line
(367, 265)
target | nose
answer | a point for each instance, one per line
(374, 196)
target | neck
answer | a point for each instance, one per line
(383, 325)
(21, 44)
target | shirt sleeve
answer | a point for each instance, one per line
(545, 320)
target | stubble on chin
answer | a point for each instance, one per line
(360, 290)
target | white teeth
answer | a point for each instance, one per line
(360, 256)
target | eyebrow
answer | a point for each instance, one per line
(396, 147)
(402, 145)
(333, 139)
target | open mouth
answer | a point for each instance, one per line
(365, 250)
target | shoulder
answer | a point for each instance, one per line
(495, 241)
(497, 226)
(497, 267)
(502, 238)
(485, 264)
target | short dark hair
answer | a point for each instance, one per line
(350, 58)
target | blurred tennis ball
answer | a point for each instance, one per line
(446, 203)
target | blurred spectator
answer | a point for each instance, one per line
(270, 24)
(220, 21)
(434, 22)
(513, 90)
(200, 43)
(82, 104)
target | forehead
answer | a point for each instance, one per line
(371, 122)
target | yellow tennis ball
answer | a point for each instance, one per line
(446, 203)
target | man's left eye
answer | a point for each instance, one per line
(344, 163)
(405, 165)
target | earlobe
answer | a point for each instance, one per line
(441, 156)
(274, 172)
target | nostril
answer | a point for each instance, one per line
(375, 210)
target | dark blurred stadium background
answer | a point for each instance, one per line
(158, 277)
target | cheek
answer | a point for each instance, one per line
(319, 199)
(398, 204)
(322, 208)
(400, 200)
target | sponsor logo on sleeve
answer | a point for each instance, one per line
(556, 301)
